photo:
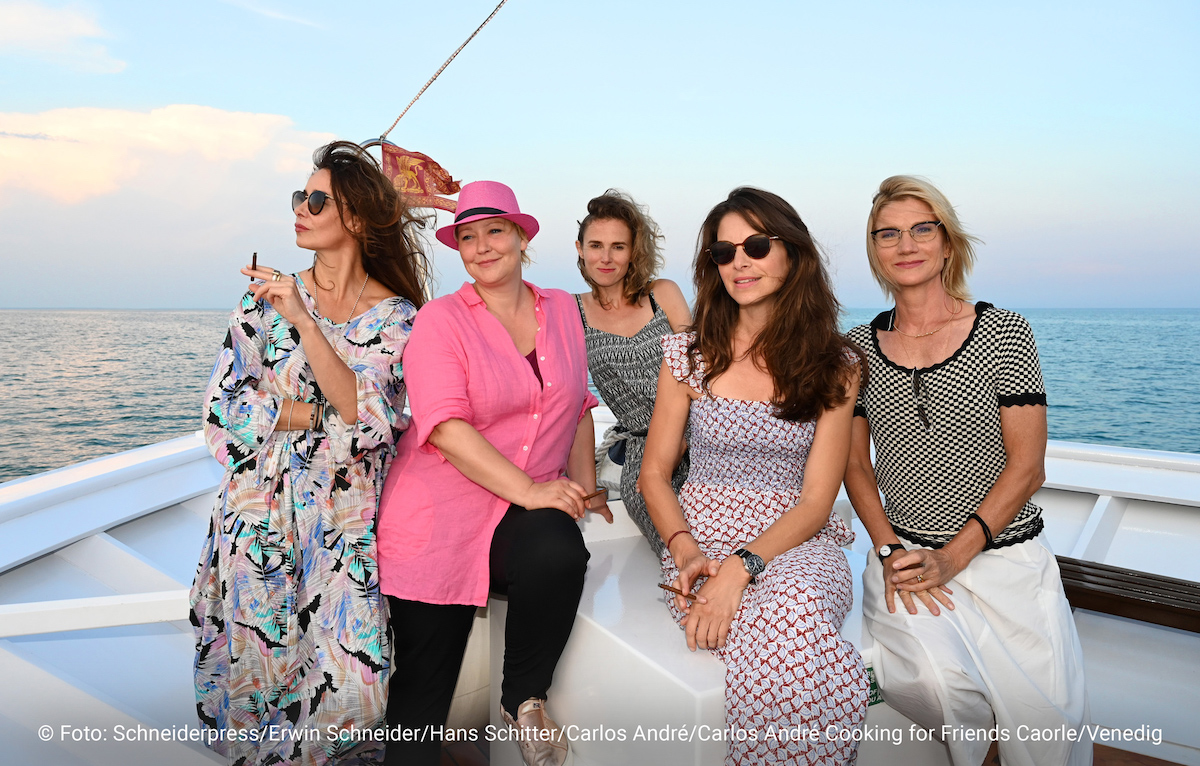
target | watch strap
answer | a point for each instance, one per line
(753, 563)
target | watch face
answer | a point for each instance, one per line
(754, 563)
(888, 550)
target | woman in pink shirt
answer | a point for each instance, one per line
(497, 384)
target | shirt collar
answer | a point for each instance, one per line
(468, 295)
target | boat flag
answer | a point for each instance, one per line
(418, 178)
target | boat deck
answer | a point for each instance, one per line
(96, 559)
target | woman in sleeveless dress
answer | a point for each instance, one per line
(625, 317)
(767, 384)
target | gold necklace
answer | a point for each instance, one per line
(953, 315)
(356, 300)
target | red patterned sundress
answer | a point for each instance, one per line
(789, 673)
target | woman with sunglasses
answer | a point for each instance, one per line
(488, 483)
(625, 317)
(767, 384)
(302, 409)
(956, 409)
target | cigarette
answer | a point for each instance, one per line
(678, 592)
(597, 493)
(254, 261)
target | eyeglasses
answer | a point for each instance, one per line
(921, 397)
(756, 246)
(316, 201)
(922, 232)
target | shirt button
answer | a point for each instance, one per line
(542, 358)
(548, 383)
(535, 416)
(526, 448)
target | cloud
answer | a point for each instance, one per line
(270, 14)
(71, 155)
(59, 35)
(146, 209)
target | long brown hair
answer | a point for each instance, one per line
(645, 259)
(391, 250)
(800, 346)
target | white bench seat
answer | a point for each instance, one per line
(627, 666)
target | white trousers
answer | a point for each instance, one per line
(1006, 658)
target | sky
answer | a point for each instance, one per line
(147, 148)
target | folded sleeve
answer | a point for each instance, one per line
(239, 420)
(380, 390)
(435, 363)
(1018, 369)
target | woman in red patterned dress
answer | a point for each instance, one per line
(768, 385)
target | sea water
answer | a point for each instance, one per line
(78, 384)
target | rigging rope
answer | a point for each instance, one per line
(442, 68)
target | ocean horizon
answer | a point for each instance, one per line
(84, 383)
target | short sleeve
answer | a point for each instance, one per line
(435, 366)
(1018, 370)
(239, 419)
(380, 392)
(675, 354)
(855, 336)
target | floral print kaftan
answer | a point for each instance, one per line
(290, 632)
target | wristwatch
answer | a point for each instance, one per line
(888, 550)
(753, 563)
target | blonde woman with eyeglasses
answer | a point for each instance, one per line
(962, 597)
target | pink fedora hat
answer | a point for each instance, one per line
(486, 199)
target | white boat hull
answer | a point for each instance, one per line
(96, 559)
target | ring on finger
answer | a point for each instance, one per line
(920, 578)
(276, 275)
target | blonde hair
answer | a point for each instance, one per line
(645, 258)
(961, 244)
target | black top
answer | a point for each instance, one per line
(932, 481)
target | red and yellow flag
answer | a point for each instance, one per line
(418, 178)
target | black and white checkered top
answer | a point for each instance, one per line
(932, 481)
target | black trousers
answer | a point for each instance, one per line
(538, 560)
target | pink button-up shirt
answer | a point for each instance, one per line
(436, 525)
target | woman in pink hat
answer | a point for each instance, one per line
(488, 483)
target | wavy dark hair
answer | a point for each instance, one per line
(391, 248)
(800, 346)
(645, 258)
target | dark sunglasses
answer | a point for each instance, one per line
(316, 201)
(756, 246)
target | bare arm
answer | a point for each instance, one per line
(822, 479)
(671, 407)
(1024, 432)
(337, 381)
(862, 487)
(581, 463)
(476, 458)
(674, 305)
